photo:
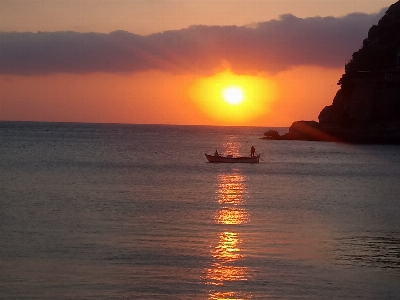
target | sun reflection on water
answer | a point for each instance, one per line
(228, 248)
(232, 216)
(232, 147)
(227, 254)
(228, 296)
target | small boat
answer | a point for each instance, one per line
(231, 159)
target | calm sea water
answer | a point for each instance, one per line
(90, 211)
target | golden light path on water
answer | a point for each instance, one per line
(227, 253)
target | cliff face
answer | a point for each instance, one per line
(367, 106)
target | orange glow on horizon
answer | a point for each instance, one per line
(156, 97)
(234, 99)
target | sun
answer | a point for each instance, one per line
(231, 99)
(233, 95)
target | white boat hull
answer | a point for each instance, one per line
(224, 159)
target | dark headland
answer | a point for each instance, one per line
(366, 109)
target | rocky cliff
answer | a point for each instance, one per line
(366, 109)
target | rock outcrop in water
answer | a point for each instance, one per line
(366, 109)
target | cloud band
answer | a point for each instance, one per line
(270, 46)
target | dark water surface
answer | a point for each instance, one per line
(95, 211)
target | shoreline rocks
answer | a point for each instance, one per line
(383, 133)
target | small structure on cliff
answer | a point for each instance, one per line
(366, 109)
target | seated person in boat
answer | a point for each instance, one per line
(216, 153)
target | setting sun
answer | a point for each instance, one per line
(231, 99)
(233, 95)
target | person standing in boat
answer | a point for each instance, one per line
(252, 151)
(216, 153)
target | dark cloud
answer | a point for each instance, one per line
(270, 46)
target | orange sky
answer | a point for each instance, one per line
(176, 77)
(159, 97)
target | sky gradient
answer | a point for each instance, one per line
(165, 61)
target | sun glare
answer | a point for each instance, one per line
(233, 95)
(231, 99)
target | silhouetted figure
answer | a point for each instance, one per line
(216, 153)
(252, 151)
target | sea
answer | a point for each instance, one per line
(117, 211)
